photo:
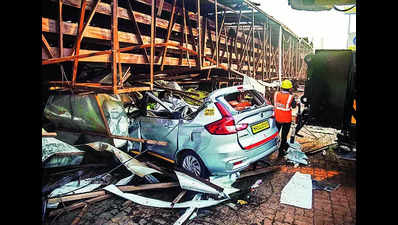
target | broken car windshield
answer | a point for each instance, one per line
(244, 101)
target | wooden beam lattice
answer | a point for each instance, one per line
(220, 37)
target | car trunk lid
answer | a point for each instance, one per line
(261, 127)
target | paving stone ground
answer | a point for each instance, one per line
(328, 208)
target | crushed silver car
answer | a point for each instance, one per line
(233, 128)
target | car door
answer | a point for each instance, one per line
(160, 125)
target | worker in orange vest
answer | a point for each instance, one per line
(283, 104)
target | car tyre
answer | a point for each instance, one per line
(191, 162)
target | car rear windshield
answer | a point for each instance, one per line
(245, 100)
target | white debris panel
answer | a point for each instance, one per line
(258, 85)
(159, 203)
(74, 187)
(133, 165)
(298, 191)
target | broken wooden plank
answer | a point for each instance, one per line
(79, 205)
(48, 134)
(178, 198)
(76, 220)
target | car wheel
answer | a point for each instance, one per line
(192, 163)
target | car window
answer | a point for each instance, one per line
(245, 100)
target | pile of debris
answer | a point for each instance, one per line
(82, 185)
(86, 155)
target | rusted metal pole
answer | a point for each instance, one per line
(115, 47)
(246, 50)
(108, 131)
(61, 29)
(199, 28)
(253, 46)
(160, 8)
(80, 36)
(280, 54)
(270, 51)
(169, 29)
(153, 21)
(135, 24)
(185, 30)
(47, 46)
(228, 53)
(218, 39)
(216, 15)
(205, 36)
(76, 61)
(264, 52)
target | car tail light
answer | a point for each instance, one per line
(226, 125)
(237, 163)
(241, 126)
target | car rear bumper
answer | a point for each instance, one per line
(230, 158)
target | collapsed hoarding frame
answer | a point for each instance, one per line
(260, 47)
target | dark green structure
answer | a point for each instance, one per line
(330, 90)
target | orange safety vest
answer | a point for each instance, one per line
(283, 107)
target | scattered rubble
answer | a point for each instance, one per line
(97, 136)
(295, 155)
(324, 185)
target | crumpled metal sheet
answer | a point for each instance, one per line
(77, 112)
(85, 185)
(189, 213)
(223, 182)
(226, 182)
(125, 180)
(190, 183)
(52, 146)
(133, 165)
(159, 203)
(172, 102)
(295, 155)
(259, 85)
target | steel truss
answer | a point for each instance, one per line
(188, 41)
